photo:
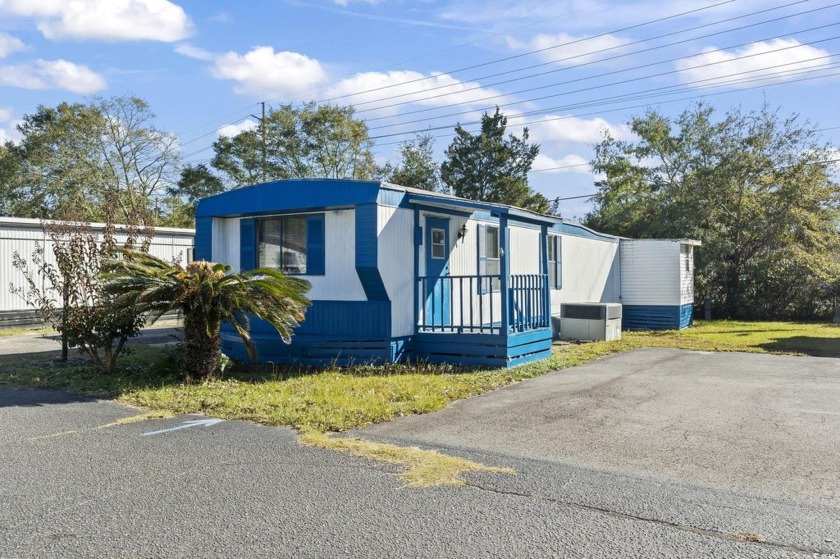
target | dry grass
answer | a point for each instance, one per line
(422, 468)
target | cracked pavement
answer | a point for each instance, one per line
(69, 488)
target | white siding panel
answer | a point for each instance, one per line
(21, 235)
(524, 250)
(396, 264)
(650, 272)
(340, 281)
(225, 245)
(591, 271)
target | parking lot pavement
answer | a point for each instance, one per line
(763, 425)
(70, 485)
(12, 347)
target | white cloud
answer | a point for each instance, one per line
(577, 130)
(570, 50)
(52, 74)
(231, 130)
(109, 20)
(753, 61)
(5, 115)
(369, 90)
(191, 51)
(9, 44)
(570, 163)
(261, 71)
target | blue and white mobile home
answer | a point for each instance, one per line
(402, 273)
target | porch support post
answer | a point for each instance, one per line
(418, 239)
(546, 287)
(504, 271)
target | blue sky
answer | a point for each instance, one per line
(568, 69)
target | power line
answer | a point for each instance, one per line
(612, 100)
(536, 51)
(600, 86)
(599, 51)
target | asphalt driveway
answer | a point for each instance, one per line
(759, 424)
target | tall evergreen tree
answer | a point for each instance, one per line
(491, 167)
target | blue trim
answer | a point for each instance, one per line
(578, 230)
(247, 244)
(418, 243)
(686, 315)
(315, 245)
(656, 317)
(367, 254)
(504, 272)
(390, 197)
(287, 195)
(203, 238)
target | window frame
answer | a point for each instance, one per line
(485, 260)
(555, 266)
(259, 223)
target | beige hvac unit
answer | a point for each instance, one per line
(590, 321)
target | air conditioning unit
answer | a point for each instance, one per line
(589, 321)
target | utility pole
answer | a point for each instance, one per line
(262, 134)
(262, 122)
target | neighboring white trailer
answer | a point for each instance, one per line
(21, 235)
(657, 283)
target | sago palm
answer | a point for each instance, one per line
(206, 294)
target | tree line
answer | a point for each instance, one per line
(757, 188)
(74, 156)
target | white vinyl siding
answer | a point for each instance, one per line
(650, 272)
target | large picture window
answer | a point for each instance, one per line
(282, 244)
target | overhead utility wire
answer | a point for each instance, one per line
(734, 18)
(587, 78)
(609, 100)
(516, 56)
(599, 51)
(581, 90)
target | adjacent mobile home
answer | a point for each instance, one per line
(21, 235)
(402, 273)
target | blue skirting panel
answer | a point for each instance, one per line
(656, 317)
(493, 350)
(340, 332)
(358, 332)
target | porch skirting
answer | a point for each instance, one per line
(490, 350)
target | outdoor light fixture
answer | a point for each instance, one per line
(462, 232)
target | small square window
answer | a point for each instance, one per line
(438, 244)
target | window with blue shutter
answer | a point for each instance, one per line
(295, 244)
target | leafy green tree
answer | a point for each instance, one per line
(310, 141)
(491, 167)
(755, 187)
(206, 295)
(417, 167)
(196, 182)
(73, 157)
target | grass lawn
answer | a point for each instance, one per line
(342, 399)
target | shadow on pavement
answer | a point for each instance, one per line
(31, 397)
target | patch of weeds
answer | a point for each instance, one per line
(422, 468)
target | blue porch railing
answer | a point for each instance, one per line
(474, 304)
